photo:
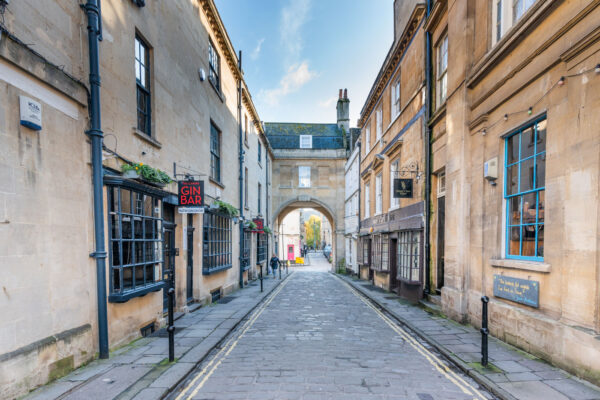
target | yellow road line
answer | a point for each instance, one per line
(211, 367)
(429, 356)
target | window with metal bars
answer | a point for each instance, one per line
(217, 254)
(247, 249)
(135, 242)
(215, 153)
(142, 80)
(261, 248)
(376, 252)
(366, 248)
(409, 256)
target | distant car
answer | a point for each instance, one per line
(327, 251)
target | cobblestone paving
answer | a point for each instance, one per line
(316, 339)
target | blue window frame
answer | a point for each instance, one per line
(524, 191)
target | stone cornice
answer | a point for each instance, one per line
(392, 60)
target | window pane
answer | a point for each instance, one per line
(528, 241)
(540, 240)
(114, 225)
(540, 175)
(127, 253)
(541, 203)
(514, 241)
(116, 254)
(526, 175)
(512, 179)
(541, 136)
(529, 203)
(527, 143)
(127, 278)
(512, 149)
(514, 207)
(125, 201)
(138, 228)
(116, 279)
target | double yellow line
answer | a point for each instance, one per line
(214, 363)
(440, 366)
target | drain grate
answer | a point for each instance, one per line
(226, 300)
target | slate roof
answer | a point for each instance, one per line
(286, 135)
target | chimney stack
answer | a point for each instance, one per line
(343, 111)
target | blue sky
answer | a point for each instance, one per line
(297, 54)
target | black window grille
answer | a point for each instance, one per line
(142, 79)
(409, 256)
(366, 243)
(261, 248)
(215, 153)
(136, 240)
(385, 255)
(213, 61)
(247, 249)
(217, 243)
(259, 152)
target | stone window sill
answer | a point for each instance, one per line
(219, 184)
(147, 138)
(533, 266)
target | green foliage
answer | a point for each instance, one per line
(313, 231)
(267, 230)
(226, 208)
(147, 172)
(251, 225)
(341, 266)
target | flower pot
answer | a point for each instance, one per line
(131, 174)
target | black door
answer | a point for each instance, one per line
(393, 264)
(169, 251)
(440, 242)
(190, 258)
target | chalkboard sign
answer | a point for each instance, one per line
(403, 188)
(521, 291)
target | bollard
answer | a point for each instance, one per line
(280, 268)
(171, 328)
(287, 266)
(484, 331)
(261, 279)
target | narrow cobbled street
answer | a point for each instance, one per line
(316, 338)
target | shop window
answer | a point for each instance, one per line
(135, 242)
(142, 80)
(247, 249)
(216, 243)
(376, 252)
(524, 188)
(385, 256)
(261, 248)
(409, 256)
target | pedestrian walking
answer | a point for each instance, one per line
(274, 265)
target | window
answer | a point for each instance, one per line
(379, 121)
(441, 181)
(367, 139)
(409, 256)
(498, 19)
(507, 13)
(519, 8)
(378, 194)
(306, 141)
(259, 152)
(259, 196)
(395, 99)
(261, 248)
(142, 80)
(304, 177)
(366, 251)
(246, 129)
(216, 255)
(136, 242)
(247, 249)
(215, 153)
(394, 202)
(525, 172)
(246, 187)
(385, 256)
(367, 200)
(214, 65)
(442, 70)
(376, 252)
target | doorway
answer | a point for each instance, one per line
(440, 243)
(393, 264)
(190, 258)
(290, 252)
(169, 251)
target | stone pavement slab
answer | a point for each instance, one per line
(515, 374)
(139, 370)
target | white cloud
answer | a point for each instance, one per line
(256, 51)
(297, 76)
(328, 103)
(293, 16)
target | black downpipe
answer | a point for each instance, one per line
(95, 133)
(427, 208)
(241, 171)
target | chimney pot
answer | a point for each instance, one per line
(345, 93)
(340, 93)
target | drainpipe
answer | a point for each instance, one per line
(359, 253)
(267, 193)
(95, 133)
(428, 113)
(241, 171)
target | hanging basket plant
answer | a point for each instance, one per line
(225, 208)
(267, 230)
(146, 173)
(250, 225)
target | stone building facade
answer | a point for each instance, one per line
(515, 152)
(174, 111)
(352, 209)
(393, 154)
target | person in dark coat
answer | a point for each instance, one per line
(274, 265)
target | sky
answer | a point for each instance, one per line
(297, 54)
